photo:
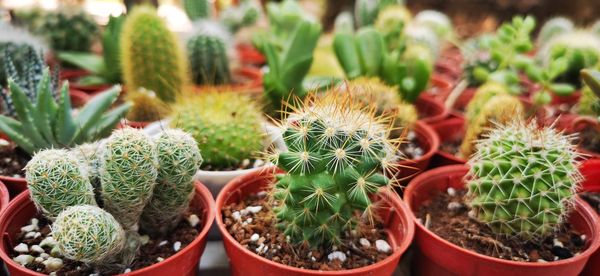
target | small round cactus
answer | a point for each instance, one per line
(56, 181)
(483, 95)
(128, 171)
(179, 159)
(69, 30)
(523, 179)
(88, 234)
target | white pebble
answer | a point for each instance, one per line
(583, 237)
(177, 246)
(48, 241)
(163, 243)
(160, 259)
(35, 222)
(144, 239)
(451, 191)
(29, 228)
(127, 270)
(254, 237)
(21, 248)
(541, 261)
(258, 163)
(55, 251)
(245, 163)
(30, 235)
(557, 243)
(265, 249)
(23, 259)
(337, 255)
(37, 248)
(260, 248)
(472, 215)
(53, 273)
(261, 194)
(4, 143)
(193, 220)
(39, 260)
(249, 220)
(382, 246)
(236, 215)
(364, 242)
(45, 255)
(313, 259)
(53, 264)
(454, 206)
(254, 209)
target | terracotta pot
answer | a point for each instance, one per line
(185, 262)
(430, 109)
(451, 129)
(250, 55)
(4, 196)
(591, 172)
(440, 86)
(393, 212)
(570, 100)
(437, 256)
(430, 143)
(449, 68)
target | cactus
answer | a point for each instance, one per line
(208, 58)
(523, 180)
(67, 30)
(437, 21)
(553, 27)
(88, 234)
(339, 156)
(128, 171)
(147, 107)
(244, 14)
(18, 44)
(56, 181)
(391, 22)
(227, 126)
(424, 36)
(590, 99)
(197, 9)
(483, 95)
(151, 55)
(179, 159)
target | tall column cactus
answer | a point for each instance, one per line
(197, 9)
(523, 179)
(208, 58)
(151, 55)
(337, 151)
(128, 172)
(56, 181)
(179, 159)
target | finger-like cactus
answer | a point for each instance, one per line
(179, 159)
(128, 171)
(88, 234)
(523, 179)
(339, 155)
(147, 107)
(68, 30)
(208, 58)
(56, 181)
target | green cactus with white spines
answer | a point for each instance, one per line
(68, 30)
(208, 58)
(179, 159)
(17, 44)
(226, 125)
(128, 172)
(56, 181)
(523, 179)
(337, 151)
(483, 95)
(88, 234)
(197, 9)
(437, 21)
(553, 27)
(391, 22)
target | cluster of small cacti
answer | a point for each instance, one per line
(68, 30)
(226, 125)
(339, 154)
(17, 44)
(139, 177)
(523, 179)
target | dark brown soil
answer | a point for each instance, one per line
(148, 254)
(452, 146)
(244, 165)
(279, 250)
(593, 199)
(12, 160)
(589, 139)
(455, 225)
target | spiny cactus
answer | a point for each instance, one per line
(366, 11)
(128, 172)
(553, 27)
(88, 234)
(437, 21)
(338, 150)
(589, 104)
(523, 179)
(227, 126)
(482, 96)
(197, 9)
(208, 58)
(147, 107)
(424, 36)
(244, 14)
(56, 181)
(151, 55)
(68, 30)
(179, 159)
(17, 44)
(391, 22)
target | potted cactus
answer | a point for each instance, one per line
(108, 208)
(324, 196)
(514, 208)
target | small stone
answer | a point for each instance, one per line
(236, 215)
(4, 143)
(48, 241)
(160, 259)
(583, 237)
(541, 261)
(45, 255)
(334, 248)
(55, 252)
(258, 163)
(127, 270)
(162, 243)
(249, 220)
(557, 243)
(261, 194)
(260, 248)
(176, 246)
(451, 191)
(337, 255)
(193, 220)
(53, 264)
(144, 239)
(254, 209)
(454, 206)
(382, 246)
(35, 222)
(29, 228)
(31, 235)
(53, 273)
(245, 163)
(37, 248)
(23, 259)
(471, 214)
(364, 242)
(21, 248)
(254, 237)
(313, 259)
(39, 260)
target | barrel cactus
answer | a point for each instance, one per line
(68, 30)
(56, 181)
(208, 58)
(226, 125)
(523, 179)
(88, 234)
(339, 156)
(17, 44)
(179, 159)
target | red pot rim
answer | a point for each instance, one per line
(454, 122)
(240, 181)
(422, 129)
(442, 111)
(254, 76)
(590, 170)
(584, 209)
(201, 190)
(4, 196)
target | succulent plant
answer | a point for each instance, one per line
(391, 22)
(366, 11)
(88, 234)
(553, 27)
(226, 125)
(179, 159)
(147, 107)
(208, 58)
(56, 180)
(246, 13)
(128, 172)
(69, 30)
(338, 150)
(151, 55)
(197, 9)
(523, 179)
(17, 44)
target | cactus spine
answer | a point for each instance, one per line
(56, 181)
(179, 159)
(66, 30)
(197, 9)
(523, 179)
(208, 58)
(128, 172)
(88, 234)
(151, 56)
(337, 149)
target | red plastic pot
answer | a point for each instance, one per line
(393, 212)
(440, 86)
(20, 211)
(591, 172)
(4, 196)
(250, 55)
(437, 256)
(430, 109)
(451, 129)
(570, 100)
(430, 143)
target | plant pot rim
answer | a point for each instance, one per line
(432, 101)
(4, 196)
(584, 209)
(449, 122)
(424, 130)
(20, 202)
(233, 187)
